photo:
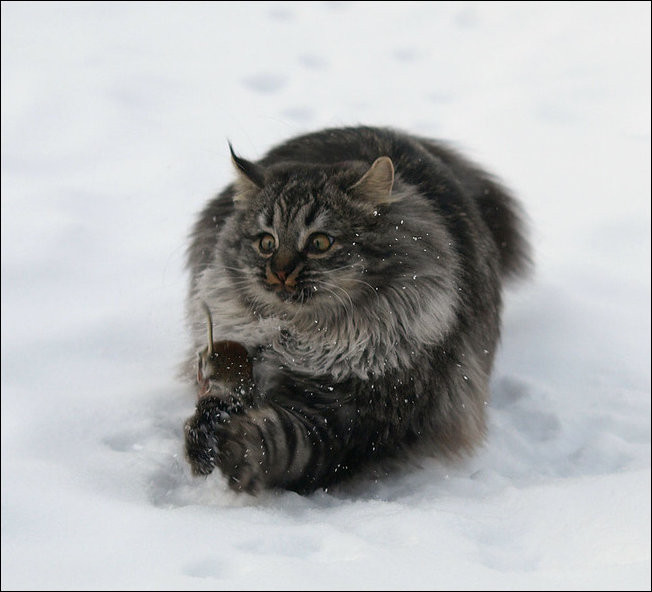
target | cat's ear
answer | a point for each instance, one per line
(250, 178)
(376, 184)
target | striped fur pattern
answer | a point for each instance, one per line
(367, 292)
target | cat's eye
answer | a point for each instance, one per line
(319, 243)
(266, 244)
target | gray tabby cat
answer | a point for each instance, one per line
(362, 270)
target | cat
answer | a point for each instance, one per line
(362, 269)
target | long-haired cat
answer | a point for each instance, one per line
(361, 269)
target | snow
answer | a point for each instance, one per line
(115, 120)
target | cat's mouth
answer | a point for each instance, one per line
(284, 285)
(290, 293)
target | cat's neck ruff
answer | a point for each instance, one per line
(332, 340)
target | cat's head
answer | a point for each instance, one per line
(306, 236)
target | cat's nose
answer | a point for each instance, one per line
(278, 277)
(283, 279)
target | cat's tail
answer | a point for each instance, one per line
(499, 210)
(507, 223)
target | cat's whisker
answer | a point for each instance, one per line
(231, 268)
(349, 266)
(243, 276)
(328, 287)
(373, 290)
(317, 277)
(241, 282)
(337, 297)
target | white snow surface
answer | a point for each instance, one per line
(115, 120)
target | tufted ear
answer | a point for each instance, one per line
(251, 177)
(376, 184)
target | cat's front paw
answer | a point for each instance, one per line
(201, 434)
(215, 436)
(239, 463)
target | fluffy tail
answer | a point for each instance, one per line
(500, 211)
(506, 221)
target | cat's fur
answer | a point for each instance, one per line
(380, 345)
